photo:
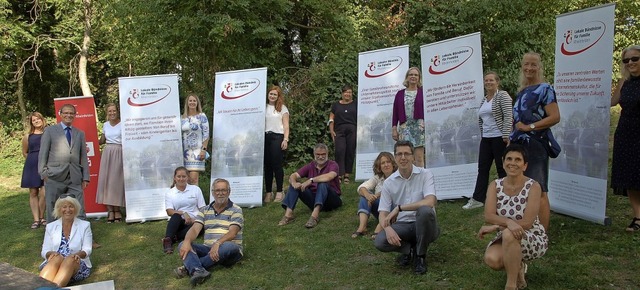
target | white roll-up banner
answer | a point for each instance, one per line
(238, 133)
(380, 76)
(151, 142)
(453, 90)
(583, 58)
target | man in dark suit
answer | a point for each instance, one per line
(62, 161)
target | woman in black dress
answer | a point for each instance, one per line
(625, 168)
(30, 177)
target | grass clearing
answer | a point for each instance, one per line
(582, 255)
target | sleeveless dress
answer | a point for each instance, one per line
(536, 242)
(30, 176)
(625, 166)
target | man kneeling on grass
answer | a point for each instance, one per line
(222, 221)
(407, 210)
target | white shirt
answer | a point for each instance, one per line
(397, 190)
(489, 125)
(373, 185)
(113, 134)
(190, 200)
(273, 119)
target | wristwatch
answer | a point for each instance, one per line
(532, 126)
(311, 179)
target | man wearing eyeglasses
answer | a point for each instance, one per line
(407, 210)
(62, 161)
(222, 221)
(321, 190)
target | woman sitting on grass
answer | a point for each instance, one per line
(370, 191)
(67, 245)
(511, 210)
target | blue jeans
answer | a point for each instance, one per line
(229, 253)
(363, 207)
(324, 196)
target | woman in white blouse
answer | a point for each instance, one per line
(67, 245)
(111, 179)
(495, 121)
(276, 141)
(183, 203)
(370, 191)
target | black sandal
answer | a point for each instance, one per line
(633, 226)
(117, 219)
(111, 219)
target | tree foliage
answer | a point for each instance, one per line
(310, 46)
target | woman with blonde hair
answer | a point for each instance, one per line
(495, 120)
(110, 190)
(30, 177)
(407, 120)
(625, 171)
(67, 245)
(195, 137)
(535, 111)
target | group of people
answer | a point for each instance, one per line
(401, 194)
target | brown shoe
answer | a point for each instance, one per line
(311, 223)
(268, 197)
(167, 245)
(286, 220)
(279, 197)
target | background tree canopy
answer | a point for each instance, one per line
(310, 46)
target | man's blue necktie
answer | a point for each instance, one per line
(68, 133)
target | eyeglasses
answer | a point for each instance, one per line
(632, 59)
(404, 154)
(221, 191)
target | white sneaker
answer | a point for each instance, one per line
(472, 204)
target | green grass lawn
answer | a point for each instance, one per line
(582, 255)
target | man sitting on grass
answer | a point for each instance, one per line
(407, 210)
(321, 191)
(222, 221)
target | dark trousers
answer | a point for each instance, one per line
(59, 189)
(176, 228)
(345, 146)
(273, 158)
(491, 150)
(418, 234)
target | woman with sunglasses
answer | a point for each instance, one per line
(625, 167)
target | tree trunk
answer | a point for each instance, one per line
(20, 90)
(84, 52)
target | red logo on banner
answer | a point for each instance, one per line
(579, 40)
(237, 90)
(443, 63)
(148, 96)
(383, 67)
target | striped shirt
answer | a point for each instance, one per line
(501, 107)
(217, 225)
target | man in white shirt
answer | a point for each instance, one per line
(407, 210)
